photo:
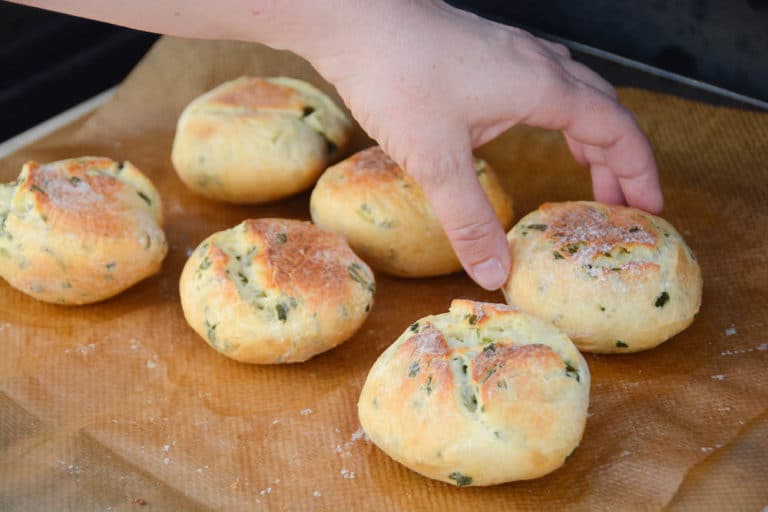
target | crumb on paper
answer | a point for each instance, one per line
(133, 344)
(706, 449)
(305, 412)
(266, 491)
(275, 422)
(151, 364)
(71, 469)
(337, 431)
(719, 376)
(166, 447)
(316, 494)
(725, 408)
(6, 325)
(345, 473)
(166, 460)
(731, 330)
(84, 350)
(760, 348)
(189, 251)
(626, 453)
(140, 502)
(360, 434)
(235, 485)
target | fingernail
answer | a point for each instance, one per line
(489, 274)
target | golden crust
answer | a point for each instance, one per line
(482, 395)
(384, 215)
(275, 291)
(616, 279)
(79, 231)
(254, 140)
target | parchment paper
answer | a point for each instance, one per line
(119, 404)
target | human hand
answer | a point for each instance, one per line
(430, 83)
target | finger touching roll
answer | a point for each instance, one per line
(79, 231)
(481, 395)
(253, 140)
(615, 279)
(384, 214)
(275, 291)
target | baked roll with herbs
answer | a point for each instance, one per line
(79, 231)
(271, 291)
(481, 395)
(254, 140)
(615, 279)
(384, 215)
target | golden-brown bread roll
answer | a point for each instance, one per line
(79, 231)
(614, 278)
(481, 395)
(275, 291)
(384, 215)
(254, 140)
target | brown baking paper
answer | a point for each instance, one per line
(119, 404)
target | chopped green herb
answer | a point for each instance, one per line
(205, 264)
(497, 434)
(355, 273)
(111, 265)
(375, 403)
(367, 308)
(414, 369)
(615, 269)
(558, 256)
(461, 480)
(607, 255)
(282, 312)
(602, 308)
(571, 372)
(74, 180)
(307, 111)
(470, 399)
(661, 300)
(66, 284)
(464, 369)
(472, 319)
(480, 171)
(486, 339)
(489, 349)
(502, 384)
(428, 385)
(211, 331)
(147, 241)
(330, 146)
(281, 238)
(487, 375)
(37, 189)
(366, 213)
(634, 229)
(621, 344)
(623, 250)
(537, 227)
(414, 327)
(572, 248)
(145, 197)
(242, 277)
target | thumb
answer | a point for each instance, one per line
(460, 204)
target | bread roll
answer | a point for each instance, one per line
(385, 217)
(614, 278)
(275, 291)
(79, 231)
(481, 395)
(254, 140)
